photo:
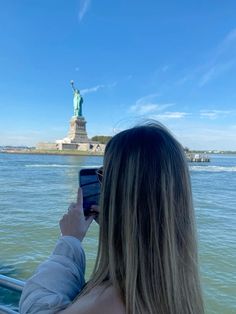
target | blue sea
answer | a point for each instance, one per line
(35, 191)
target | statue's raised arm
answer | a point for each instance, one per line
(72, 84)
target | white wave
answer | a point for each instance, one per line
(60, 166)
(51, 166)
(92, 166)
(213, 168)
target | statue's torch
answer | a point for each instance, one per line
(72, 84)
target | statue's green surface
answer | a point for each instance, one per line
(78, 101)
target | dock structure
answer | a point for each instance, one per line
(191, 157)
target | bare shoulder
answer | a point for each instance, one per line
(99, 301)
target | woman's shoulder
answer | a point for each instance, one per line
(99, 300)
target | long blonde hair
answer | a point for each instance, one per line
(147, 241)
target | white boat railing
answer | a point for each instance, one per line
(11, 284)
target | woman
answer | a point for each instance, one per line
(147, 257)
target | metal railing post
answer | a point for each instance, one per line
(11, 283)
(6, 310)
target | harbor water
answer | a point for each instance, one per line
(35, 191)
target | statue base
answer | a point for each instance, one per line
(77, 132)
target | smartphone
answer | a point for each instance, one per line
(91, 187)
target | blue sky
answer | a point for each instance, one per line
(174, 61)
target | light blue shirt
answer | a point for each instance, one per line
(56, 281)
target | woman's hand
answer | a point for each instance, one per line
(74, 223)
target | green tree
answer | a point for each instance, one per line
(103, 139)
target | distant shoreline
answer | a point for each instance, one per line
(85, 153)
(51, 152)
(228, 152)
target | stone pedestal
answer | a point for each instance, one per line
(77, 132)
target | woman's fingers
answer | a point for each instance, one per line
(95, 208)
(74, 223)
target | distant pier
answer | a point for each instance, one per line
(191, 157)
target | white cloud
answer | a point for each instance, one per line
(184, 79)
(214, 114)
(112, 84)
(83, 8)
(165, 68)
(229, 39)
(171, 115)
(216, 70)
(146, 105)
(207, 76)
(144, 108)
(91, 89)
(146, 98)
(129, 77)
(97, 88)
(222, 60)
(150, 109)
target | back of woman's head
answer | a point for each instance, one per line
(147, 246)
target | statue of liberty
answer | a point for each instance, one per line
(78, 101)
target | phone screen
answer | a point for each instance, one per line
(90, 185)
